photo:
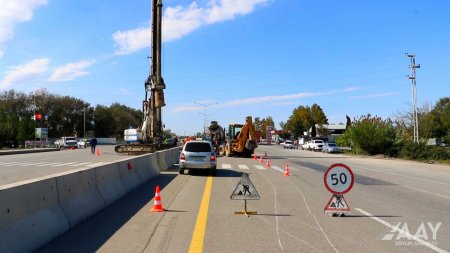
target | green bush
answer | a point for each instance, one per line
(372, 135)
(422, 152)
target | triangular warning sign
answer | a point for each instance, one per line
(337, 204)
(245, 190)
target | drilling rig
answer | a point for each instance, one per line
(149, 138)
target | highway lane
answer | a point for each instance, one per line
(21, 167)
(290, 213)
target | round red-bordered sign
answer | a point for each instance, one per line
(338, 179)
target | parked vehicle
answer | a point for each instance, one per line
(330, 147)
(305, 145)
(82, 143)
(66, 142)
(287, 144)
(198, 155)
(315, 145)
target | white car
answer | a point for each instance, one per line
(67, 142)
(287, 144)
(315, 145)
(198, 155)
(330, 147)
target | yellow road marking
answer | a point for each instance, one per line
(200, 226)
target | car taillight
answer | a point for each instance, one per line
(212, 157)
(182, 157)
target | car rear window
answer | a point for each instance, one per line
(197, 147)
(70, 139)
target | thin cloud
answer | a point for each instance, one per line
(260, 100)
(378, 95)
(25, 74)
(12, 13)
(180, 21)
(70, 71)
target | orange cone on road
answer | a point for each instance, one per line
(157, 205)
(97, 152)
(261, 159)
(268, 162)
(286, 170)
(254, 156)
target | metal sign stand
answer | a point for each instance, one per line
(247, 213)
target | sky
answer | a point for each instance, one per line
(224, 60)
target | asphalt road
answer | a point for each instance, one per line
(30, 166)
(396, 206)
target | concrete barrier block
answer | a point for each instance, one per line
(30, 216)
(109, 183)
(161, 160)
(129, 175)
(78, 195)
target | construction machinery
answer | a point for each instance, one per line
(217, 134)
(149, 137)
(241, 139)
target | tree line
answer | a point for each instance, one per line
(62, 115)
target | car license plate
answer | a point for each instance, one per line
(198, 158)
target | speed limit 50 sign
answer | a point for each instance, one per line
(338, 179)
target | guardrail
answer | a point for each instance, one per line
(34, 213)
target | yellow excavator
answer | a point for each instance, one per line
(241, 139)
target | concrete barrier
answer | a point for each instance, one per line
(109, 183)
(30, 216)
(34, 213)
(78, 195)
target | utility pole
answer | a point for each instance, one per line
(204, 115)
(413, 67)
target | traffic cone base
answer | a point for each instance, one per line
(97, 152)
(157, 205)
(261, 159)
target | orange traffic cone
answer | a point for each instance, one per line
(268, 162)
(157, 205)
(254, 156)
(97, 152)
(261, 159)
(286, 170)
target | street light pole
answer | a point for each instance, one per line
(204, 115)
(84, 123)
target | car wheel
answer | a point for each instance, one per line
(213, 172)
(181, 171)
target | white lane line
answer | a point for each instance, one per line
(63, 164)
(95, 165)
(276, 212)
(226, 166)
(46, 164)
(401, 231)
(401, 175)
(277, 168)
(10, 164)
(79, 164)
(243, 167)
(431, 193)
(314, 216)
(260, 167)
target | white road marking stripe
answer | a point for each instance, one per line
(260, 167)
(277, 168)
(243, 167)
(63, 164)
(401, 175)
(403, 232)
(79, 164)
(95, 165)
(431, 193)
(47, 164)
(226, 166)
(314, 216)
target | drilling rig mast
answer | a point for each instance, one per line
(150, 135)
